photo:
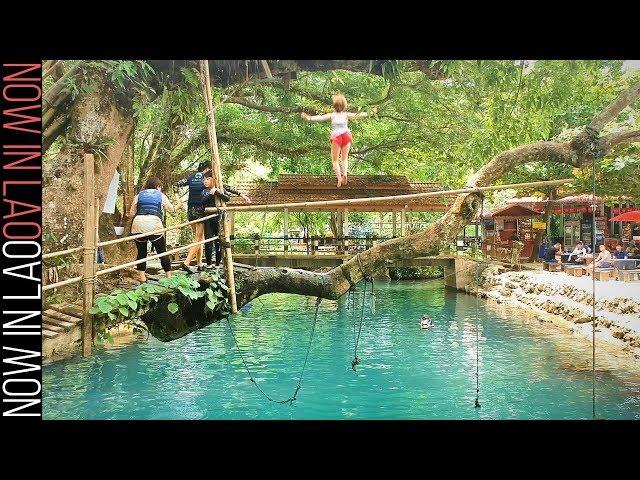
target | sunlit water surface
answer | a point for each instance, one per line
(527, 370)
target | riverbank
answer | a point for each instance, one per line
(563, 300)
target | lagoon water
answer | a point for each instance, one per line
(527, 370)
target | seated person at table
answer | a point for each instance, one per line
(620, 254)
(603, 260)
(578, 253)
(550, 253)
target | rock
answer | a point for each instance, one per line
(581, 319)
(617, 332)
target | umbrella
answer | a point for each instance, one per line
(633, 216)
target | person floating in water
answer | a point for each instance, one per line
(341, 137)
(425, 322)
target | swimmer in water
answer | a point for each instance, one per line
(425, 322)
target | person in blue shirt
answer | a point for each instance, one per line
(146, 209)
(620, 254)
(551, 252)
(195, 210)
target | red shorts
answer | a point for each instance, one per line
(342, 139)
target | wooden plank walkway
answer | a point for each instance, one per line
(60, 319)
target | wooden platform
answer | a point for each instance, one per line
(59, 319)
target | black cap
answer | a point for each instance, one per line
(203, 165)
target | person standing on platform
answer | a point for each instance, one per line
(146, 210)
(212, 225)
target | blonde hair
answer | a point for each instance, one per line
(339, 103)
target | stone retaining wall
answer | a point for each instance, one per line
(617, 307)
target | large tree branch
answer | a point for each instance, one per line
(625, 99)
(586, 147)
(435, 238)
(619, 138)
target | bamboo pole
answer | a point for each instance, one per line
(217, 177)
(155, 232)
(286, 230)
(369, 200)
(62, 283)
(62, 252)
(55, 94)
(154, 257)
(49, 67)
(89, 257)
(265, 67)
(356, 201)
(394, 227)
(124, 239)
(120, 267)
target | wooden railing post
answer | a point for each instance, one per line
(89, 254)
(369, 242)
(256, 244)
(286, 230)
(394, 223)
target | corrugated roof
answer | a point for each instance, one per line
(513, 211)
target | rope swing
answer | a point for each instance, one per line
(593, 290)
(356, 338)
(294, 397)
(478, 275)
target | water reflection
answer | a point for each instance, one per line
(527, 370)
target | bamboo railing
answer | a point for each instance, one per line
(90, 247)
(369, 200)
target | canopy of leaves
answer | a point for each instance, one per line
(430, 130)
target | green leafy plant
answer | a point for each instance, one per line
(122, 307)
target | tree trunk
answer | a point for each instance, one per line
(98, 125)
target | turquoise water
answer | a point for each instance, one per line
(526, 371)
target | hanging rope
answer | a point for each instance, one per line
(356, 338)
(291, 399)
(477, 402)
(593, 293)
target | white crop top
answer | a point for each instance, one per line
(339, 122)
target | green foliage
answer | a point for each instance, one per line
(127, 75)
(429, 130)
(416, 273)
(124, 307)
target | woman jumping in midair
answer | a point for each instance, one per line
(341, 137)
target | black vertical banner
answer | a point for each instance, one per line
(21, 238)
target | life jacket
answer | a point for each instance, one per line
(149, 202)
(196, 185)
